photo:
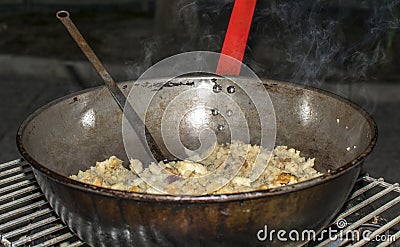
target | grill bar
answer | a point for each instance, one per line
(18, 192)
(24, 219)
(16, 186)
(396, 236)
(27, 219)
(39, 235)
(381, 182)
(363, 190)
(368, 201)
(76, 244)
(379, 231)
(11, 163)
(20, 200)
(30, 227)
(17, 169)
(15, 178)
(23, 209)
(58, 239)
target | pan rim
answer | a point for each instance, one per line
(202, 198)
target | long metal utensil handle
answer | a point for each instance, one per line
(63, 16)
(131, 115)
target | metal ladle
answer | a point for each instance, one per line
(126, 108)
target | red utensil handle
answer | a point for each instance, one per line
(236, 37)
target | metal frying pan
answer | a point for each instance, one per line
(72, 133)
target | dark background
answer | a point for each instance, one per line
(347, 47)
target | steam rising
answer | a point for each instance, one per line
(135, 69)
(306, 41)
(322, 40)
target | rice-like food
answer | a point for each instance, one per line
(250, 167)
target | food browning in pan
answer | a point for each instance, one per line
(258, 169)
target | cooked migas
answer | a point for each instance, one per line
(254, 168)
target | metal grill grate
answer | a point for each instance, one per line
(26, 218)
(370, 217)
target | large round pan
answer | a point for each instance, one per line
(56, 141)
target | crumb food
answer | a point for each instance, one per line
(259, 170)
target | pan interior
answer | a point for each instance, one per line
(73, 133)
